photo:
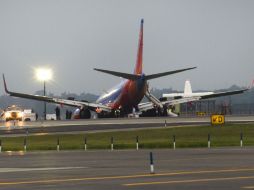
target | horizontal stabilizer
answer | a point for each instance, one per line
(119, 74)
(146, 77)
(153, 76)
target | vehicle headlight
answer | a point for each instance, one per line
(7, 114)
(20, 114)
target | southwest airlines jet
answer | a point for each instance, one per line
(123, 98)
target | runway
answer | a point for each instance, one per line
(230, 168)
(94, 125)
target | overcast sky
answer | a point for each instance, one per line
(75, 36)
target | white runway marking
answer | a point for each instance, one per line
(5, 170)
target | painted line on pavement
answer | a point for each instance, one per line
(189, 181)
(130, 176)
(248, 187)
(7, 170)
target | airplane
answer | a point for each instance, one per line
(186, 93)
(121, 99)
(200, 95)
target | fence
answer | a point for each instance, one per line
(137, 144)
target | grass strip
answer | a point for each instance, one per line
(186, 137)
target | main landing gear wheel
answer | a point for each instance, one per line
(85, 114)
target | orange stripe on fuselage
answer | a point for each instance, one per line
(130, 96)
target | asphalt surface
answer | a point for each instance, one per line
(230, 168)
(93, 125)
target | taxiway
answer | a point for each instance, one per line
(230, 168)
(94, 125)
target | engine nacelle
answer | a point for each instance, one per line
(83, 113)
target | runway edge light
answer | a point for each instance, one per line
(241, 139)
(174, 142)
(151, 164)
(137, 145)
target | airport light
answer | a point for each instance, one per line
(44, 74)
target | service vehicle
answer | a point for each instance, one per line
(28, 115)
(13, 113)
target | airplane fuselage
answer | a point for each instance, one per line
(125, 96)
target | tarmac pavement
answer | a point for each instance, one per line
(223, 168)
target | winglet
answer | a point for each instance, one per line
(5, 86)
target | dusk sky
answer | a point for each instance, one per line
(74, 36)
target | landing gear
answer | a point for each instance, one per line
(161, 112)
(85, 113)
(150, 113)
(117, 113)
(164, 111)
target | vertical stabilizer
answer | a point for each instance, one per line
(187, 88)
(139, 63)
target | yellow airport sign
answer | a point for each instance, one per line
(201, 113)
(217, 119)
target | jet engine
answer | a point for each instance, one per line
(82, 113)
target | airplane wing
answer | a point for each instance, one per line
(67, 102)
(196, 98)
(227, 93)
(150, 105)
(145, 106)
(154, 102)
(180, 101)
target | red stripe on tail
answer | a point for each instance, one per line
(139, 63)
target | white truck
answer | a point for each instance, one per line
(51, 116)
(16, 113)
(12, 113)
(28, 115)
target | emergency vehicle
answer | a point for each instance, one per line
(17, 113)
(13, 113)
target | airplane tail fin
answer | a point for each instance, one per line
(139, 62)
(187, 88)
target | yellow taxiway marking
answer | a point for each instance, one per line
(189, 181)
(124, 177)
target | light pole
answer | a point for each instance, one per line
(44, 94)
(44, 74)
